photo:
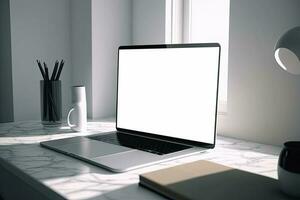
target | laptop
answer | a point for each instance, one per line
(166, 108)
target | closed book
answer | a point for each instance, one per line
(205, 180)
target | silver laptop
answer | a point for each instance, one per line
(166, 108)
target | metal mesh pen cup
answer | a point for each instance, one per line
(51, 114)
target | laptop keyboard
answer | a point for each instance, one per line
(154, 146)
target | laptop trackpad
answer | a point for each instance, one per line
(91, 148)
(128, 160)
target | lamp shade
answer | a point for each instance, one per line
(287, 51)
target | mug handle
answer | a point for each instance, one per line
(68, 118)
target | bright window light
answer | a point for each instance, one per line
(202, 21)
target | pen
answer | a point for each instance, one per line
(54, 71)
(41, 69)
(46, 72)
(59, 70)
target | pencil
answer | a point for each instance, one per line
(54, 71)
(41, 69)
(46, 71)
(60, 69)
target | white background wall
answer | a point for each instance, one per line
(81, 47)
(148, 21)
(263, 100)
(40, 29)
(209, 22)
(53, 29)
(111, 22)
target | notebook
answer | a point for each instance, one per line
(205, 180)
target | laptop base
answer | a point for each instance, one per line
(112, 157)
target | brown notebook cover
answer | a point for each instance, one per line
(204, 180)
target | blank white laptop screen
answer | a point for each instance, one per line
(169, 91)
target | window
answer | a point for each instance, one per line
(196, 21)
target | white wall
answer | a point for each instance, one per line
(263, 100)
(40, 29)
(81, 47)
(6, 93)
(209, 22)
(148, 21)
(115, 23)
(84, 33)
(111, 27)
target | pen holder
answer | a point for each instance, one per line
(51, 114)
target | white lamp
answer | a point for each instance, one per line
(287, 51)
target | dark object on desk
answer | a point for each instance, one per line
(289, 168)
(51, 110)
(207, 180)
(50, 89)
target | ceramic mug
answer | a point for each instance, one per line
(289, 168)
(78, 111)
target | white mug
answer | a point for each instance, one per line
(78, 109)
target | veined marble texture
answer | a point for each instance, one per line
(74, 179)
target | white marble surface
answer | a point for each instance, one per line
(74, 179)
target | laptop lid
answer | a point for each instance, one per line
(169, 92)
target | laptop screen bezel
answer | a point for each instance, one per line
(161, 137)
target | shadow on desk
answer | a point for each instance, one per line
(210, 188)
(31, 129)
(45, 164)
(132, 192)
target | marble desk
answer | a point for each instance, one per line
(52, 175)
